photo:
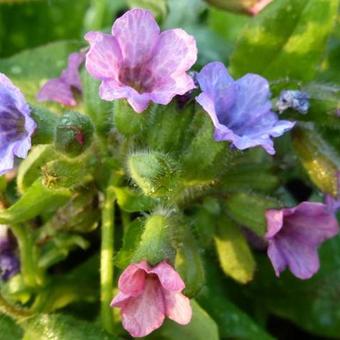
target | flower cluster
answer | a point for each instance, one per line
(138, 63)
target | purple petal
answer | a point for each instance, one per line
(61, 89)
(16, 125)
(137, 34)
(294, 235)
(9, 266)
(104, 56)
(240, 110)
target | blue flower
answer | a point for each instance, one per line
(9, 262)
(241, 109)
(16, 125)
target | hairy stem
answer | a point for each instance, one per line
(12, 311)
(106, 259)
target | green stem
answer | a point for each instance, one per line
(28, 256)
(106, 259)
(13, 312)
(125, 220)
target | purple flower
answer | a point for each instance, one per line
(139, 63)
(61, 90)
(16, 125)
(241, 109)
(294, 235)
(9, 263)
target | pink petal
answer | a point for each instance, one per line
(120, 300)
(132, 280)
(104, 57)
(143, 314)
(110, 90)
(136, 33)
(177, 307)
(276, 258)
(274, 219)
(71, 74)
(168, 277)
(174, 54)
(57, 90)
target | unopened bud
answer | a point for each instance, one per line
(250, 7)
(73, 134)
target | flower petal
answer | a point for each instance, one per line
(177, 307)
(302, 259)
(120, 300)
(168, 277)
(104, 56)
(58, 91)
(276, 258)
(110, 90)
(136, 33)
(71, 74)
(174, 53)
(143, 314)
(132, 280)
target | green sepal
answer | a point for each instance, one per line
(154, 172)
(31, 167)
(156, 242)
(233, 251)
(188, 261)
(248, 209)
(318, 158)
(126, 120)
(133, 201)
(66, 173)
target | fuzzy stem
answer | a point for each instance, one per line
(28, 252)
(106, 259)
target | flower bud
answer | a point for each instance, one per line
(250, 7)
(156, 241)
(154, 172)
(73, 134)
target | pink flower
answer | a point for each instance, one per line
(61, 89)
(139, 63)
(148, 294)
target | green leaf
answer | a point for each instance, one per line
(30, 69)
(287, 40)
(36, 200)
(235, 256)
(9, 330)
(31, 167)
(65, 327)
(201, 327)
(132, 201)
(233, 323)
(318, 158)
(311, 304)
(157, 7)
(248, 209)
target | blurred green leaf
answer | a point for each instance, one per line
(201, 327)
(36, 200)
(311, 304)
(31, 68)
(287, 40)
(63, 327)
(234, 254)
(9, 330)
(248, 209)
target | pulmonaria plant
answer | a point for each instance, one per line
(62, 89)
(294, 235)
(140, 64)
(16, 125)
(240, 110)
(148, 295)
(9, 262)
